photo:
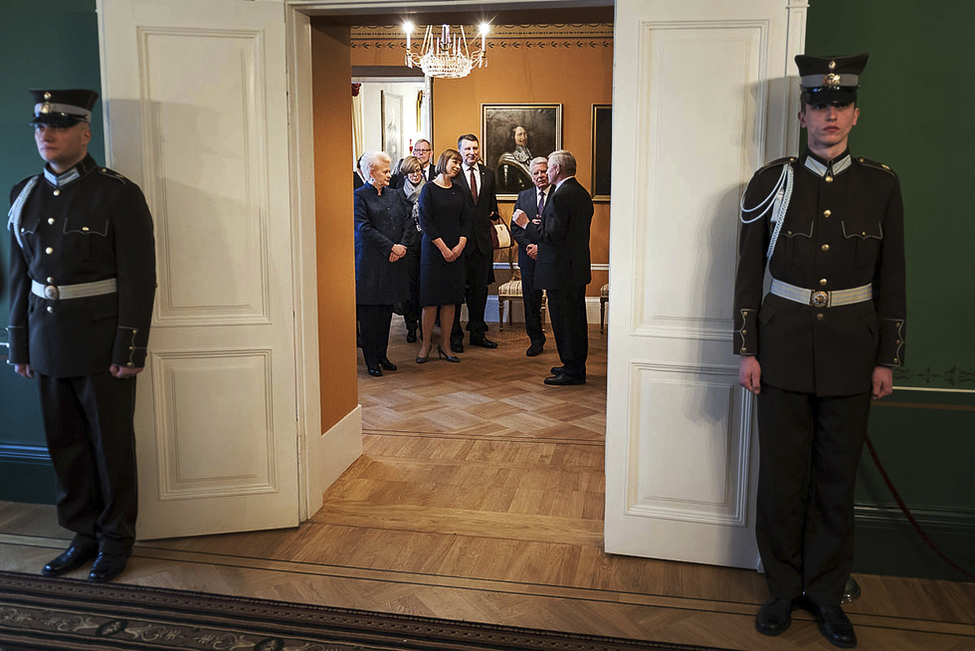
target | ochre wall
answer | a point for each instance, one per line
(550, 64)
(332, 96)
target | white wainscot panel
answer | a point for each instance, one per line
(207, 178)
(203, 400)
(689, 447)
(702, 128)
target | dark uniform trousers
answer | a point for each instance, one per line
(88, 424)
(810, 448)
(86, 225)
(843, 230)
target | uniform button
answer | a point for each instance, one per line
(898, 341)
(828, 179)
(50, 309)
(826, 247)
(84, 228)
(50, 220)
(822, 281)
(820, 316)
(788, 232)
(745, 332)
(744, 350)
(135, 331)
(130, 364)
(50, 280)
(23, 230)
(49, 250)
(864, 233)
(131, 347)
(896, 361)
(57, 192)
(827, 213)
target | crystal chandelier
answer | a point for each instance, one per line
(445, 54)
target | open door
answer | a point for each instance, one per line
(701, 88)
(196, 113)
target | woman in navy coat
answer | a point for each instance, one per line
(445, 210)
(383, 229)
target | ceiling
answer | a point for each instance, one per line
(601, 13)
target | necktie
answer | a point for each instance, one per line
(541, 202)
(473, 183)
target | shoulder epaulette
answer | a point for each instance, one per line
(866, 162)
(785, 160)
(112, 173)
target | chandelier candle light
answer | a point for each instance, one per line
(445, 55)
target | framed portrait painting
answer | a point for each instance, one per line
(513, 134)
(392, 116)
(602, 151)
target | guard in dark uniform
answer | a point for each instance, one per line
(820, 344)
(82, 282)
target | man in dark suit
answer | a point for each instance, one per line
(532, 202)
(478, 180)
(563, 265)
(82, 282)
(824, 340)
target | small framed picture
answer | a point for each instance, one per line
(602, 151)
(392, 116)
(512, 135)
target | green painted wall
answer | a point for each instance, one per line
(52, 44)
(915, 99)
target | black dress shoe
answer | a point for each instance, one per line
(71, 559)
(563, 380)
(534, 349)
(483, 342)
(557, 370)
(387, 365)
(835, 626)
(107, 566)
(457, 346)
(449, 358)
(375, 371)
(774, 617)
(411, 336)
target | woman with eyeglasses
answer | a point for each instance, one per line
(410, 171)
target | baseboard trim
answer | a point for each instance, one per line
(955, 520)
(518, 311)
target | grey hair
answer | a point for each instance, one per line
(535, 161)
(371, 160)
(565, 160)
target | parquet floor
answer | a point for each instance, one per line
(479, 496)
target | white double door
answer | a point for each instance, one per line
(197, 114)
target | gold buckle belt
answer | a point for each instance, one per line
(822, 298)
(80, 290)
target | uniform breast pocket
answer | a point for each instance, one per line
(798, 237)
(90, 234)
(866, 238)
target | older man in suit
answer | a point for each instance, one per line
(478, 180)
(563, 264)
(532, 202)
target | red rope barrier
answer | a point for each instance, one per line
(910, 516)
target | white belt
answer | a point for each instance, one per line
(822, 298)
(80, 290)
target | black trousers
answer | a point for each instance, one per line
(570, 325)
(810, 448)
(91, 440)
(532, 300)
(374, 326)
(479, 276)
(411, 306)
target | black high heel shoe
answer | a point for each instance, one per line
(387, 365)
(423, 360)
(449, 358)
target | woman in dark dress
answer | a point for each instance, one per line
(384, 227)
(445, 219)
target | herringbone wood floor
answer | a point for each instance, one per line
(479, 496)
